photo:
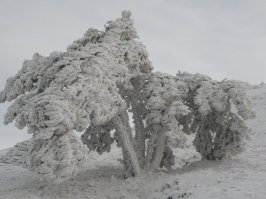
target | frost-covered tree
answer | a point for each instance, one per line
(95, 85)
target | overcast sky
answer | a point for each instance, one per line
(225, 38)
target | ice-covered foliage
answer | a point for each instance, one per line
(95, 84)
(75, 89)
(218, 111)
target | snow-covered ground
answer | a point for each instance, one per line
(241, 177)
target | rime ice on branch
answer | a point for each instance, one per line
(95, 84)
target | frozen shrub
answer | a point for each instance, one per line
(95, 84)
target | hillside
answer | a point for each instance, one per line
(243, 176)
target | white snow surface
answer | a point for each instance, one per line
(242, 176)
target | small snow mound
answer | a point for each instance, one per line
(18, 155)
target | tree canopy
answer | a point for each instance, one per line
(92, 88)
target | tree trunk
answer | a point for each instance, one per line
(158, 152)
(140, 133)
(155, 148)
(131, 163)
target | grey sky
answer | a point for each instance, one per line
(218, 38)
